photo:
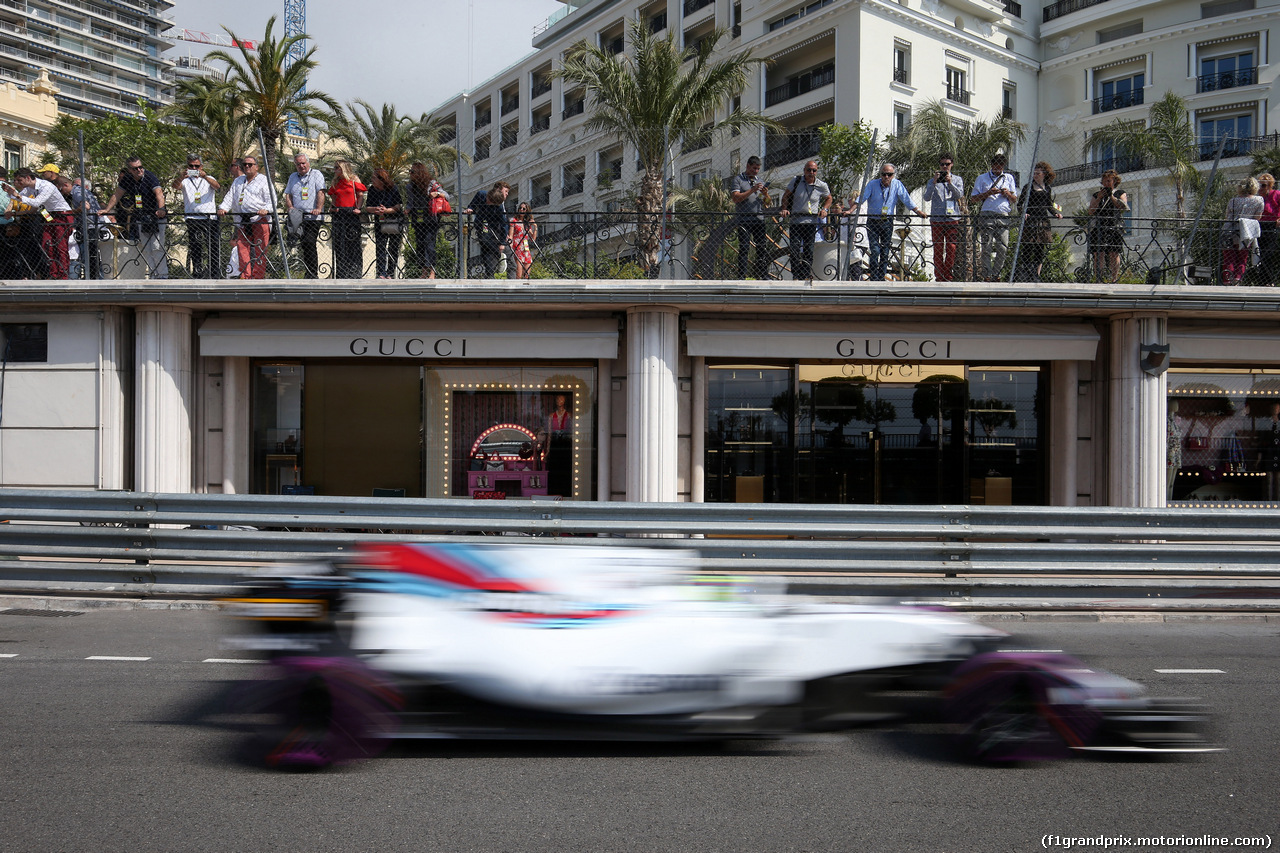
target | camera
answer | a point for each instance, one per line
(193, 173)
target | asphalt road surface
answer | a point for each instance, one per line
(107, 745)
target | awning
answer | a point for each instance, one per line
(433, 338)
(940, 341)
(1226, 344)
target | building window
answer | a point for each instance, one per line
(12, 156)
(1237, 128)
(1123, 31)
(1119, 93)
(1226, 7)
(25, 342)
(1008, 101)
(696, 176)
(1227, 72)
(902, 63)
(957, 89)
(573, 177)
(901, 119)
(797, 13)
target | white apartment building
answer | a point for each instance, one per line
(832, 61)
(1109, 59)
(103, 56)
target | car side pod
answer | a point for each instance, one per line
(319, 711)
(1014, 707)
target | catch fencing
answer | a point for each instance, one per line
(142, 543)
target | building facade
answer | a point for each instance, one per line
(104, 57)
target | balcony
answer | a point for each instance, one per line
(540, 124)
(539, 87)
(1012, 8)
(482, 149)
(958, 95)
(901, 75)
(696, 141)
(691, 6)
(573, 184)
(1238, 146)
(483, 119)
(1226, 80)
(614, 46)
(1066, 7)
(510, 103)
(573, 108)
(510, 136)
(814, 78)
(784, 148)
(1117, 102)
(1006, 113)
(1093, 171)
(658, 23)
(541, 197)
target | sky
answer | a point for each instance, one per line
(415, 54)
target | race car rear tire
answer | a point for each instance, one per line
(318, 711)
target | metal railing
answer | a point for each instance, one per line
(540, 86)
(1066, 7)
(960, 96)
(803, 83)
(1118, 101)
(141, 543)
(610, 244)
(1226, 79)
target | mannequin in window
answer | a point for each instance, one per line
(560, 448)
(1268, 438)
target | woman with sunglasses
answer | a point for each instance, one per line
(522, 235)
(347, 194)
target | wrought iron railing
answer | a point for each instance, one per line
(1066, 7)
(958, 95)
(609, 244)
(1118, 101)
(815, 78)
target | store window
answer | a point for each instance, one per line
(333, 427)
(874, 433)
(1223, 436)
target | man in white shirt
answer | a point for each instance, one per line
(200, 211)
(58, 223)
(995, 190)
(250, 200)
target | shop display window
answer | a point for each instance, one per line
(839, 432)
(1223, 436)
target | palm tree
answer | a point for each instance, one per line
(269, 90)
(384, 139)
(934, 132)
(652, 99)
(213, 108)
(1168, 142)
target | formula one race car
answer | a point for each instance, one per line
(571, 642)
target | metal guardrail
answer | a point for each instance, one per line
(176, 543)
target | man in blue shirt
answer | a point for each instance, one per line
(882, 198)
(995, 191)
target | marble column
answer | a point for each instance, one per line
(162, 399)
(1136, 415)
(653, 350)
(1064, 438)
(235, 425)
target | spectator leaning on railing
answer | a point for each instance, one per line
(249, 200)
(45, 198)
(882, 199)
(806, 202)
(748, 195)
(9, 229)
(139, 190)
(995, 191)
(200, 210)
(84, 199)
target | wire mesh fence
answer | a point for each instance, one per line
(1069, 205)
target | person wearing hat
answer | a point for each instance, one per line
(50, 172)
(200, 212)
(45, 198)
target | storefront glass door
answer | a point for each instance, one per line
(876, 433)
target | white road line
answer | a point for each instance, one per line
(229, 660)
(1031, 651)
(1191, 671)
(8, 656)
(112, 657)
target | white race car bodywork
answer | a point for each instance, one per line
(621, 631)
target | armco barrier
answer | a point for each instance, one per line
(142, 543)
